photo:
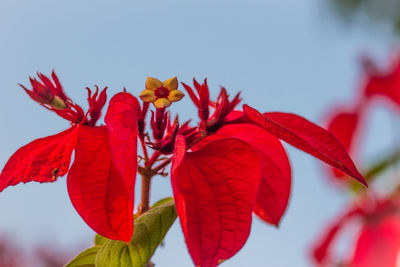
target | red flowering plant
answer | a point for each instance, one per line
(377, 215)
(223, 169)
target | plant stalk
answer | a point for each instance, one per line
(146, 185)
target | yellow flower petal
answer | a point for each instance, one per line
(153, 83)
(175, 95)
(162, 103)
(148, 95)
(171, 84)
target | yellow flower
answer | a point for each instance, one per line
(161, 94)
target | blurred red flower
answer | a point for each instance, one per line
(378, 240)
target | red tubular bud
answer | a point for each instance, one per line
(96, 104)
(47, 93)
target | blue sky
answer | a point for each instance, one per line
(283, 55)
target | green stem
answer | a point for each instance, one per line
(376, 169)
(382, 165)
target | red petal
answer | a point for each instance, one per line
(274, 191)
(306, 136)
(378, 244)
(97, 189)
(215, 190)
(122, 126)
(42, 160)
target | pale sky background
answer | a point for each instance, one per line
(288, 56)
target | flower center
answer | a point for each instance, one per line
(162, 92)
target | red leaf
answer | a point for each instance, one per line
(122, 126)
(274, 191)
(215, 190)
(97, 189)
(378, 244)
(306, 136)
(42, 160)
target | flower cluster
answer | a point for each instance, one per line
(224, 168)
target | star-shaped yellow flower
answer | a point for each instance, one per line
(161, 94)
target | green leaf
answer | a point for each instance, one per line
(162, 201)
(149, 231)
(86, 258)
(99, 240)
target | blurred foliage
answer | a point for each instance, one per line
(381, 11)
(42, 255)
(375, 171)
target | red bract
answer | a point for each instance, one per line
(378, 244)
(215, 189)
(384, 83)
(101, 198)
(203, 183)
(321, 253)
(274, 190)
(345, 124)
(308, 137)
(102, 177)
(378, 241)
(122, 126)
(42, 160)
